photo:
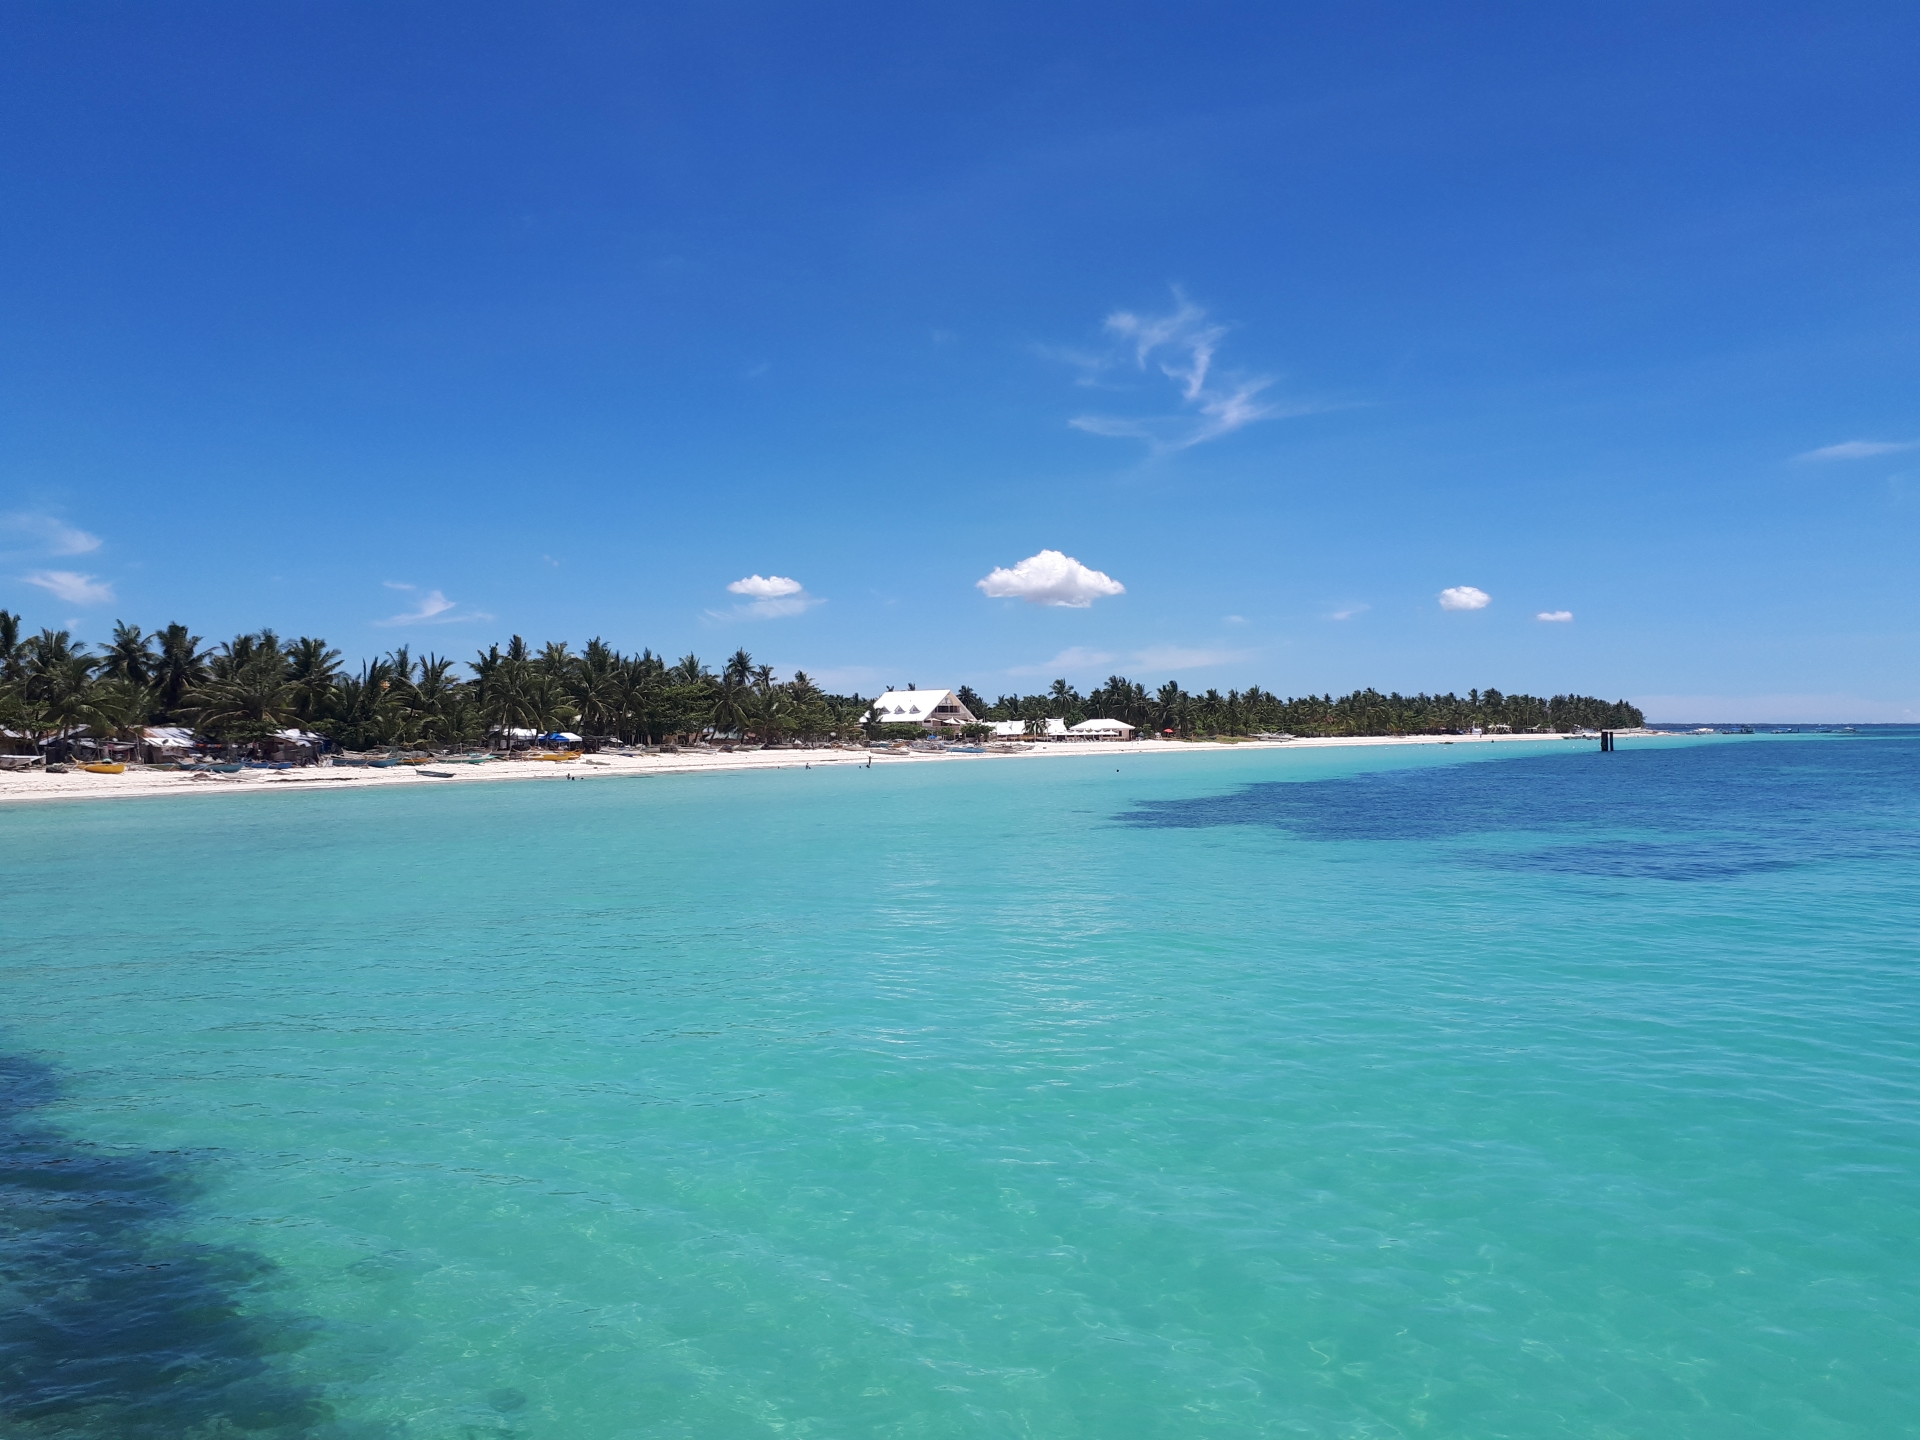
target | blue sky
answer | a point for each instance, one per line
(1281, 321)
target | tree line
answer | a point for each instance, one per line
(1254, 711)
(249, 688)
(254, 686)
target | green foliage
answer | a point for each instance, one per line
(255, 684)
(1254, 711)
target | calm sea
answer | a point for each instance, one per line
(1473, 1091)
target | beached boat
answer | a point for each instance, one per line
(558, 759)
(438, 774)
(105, 767)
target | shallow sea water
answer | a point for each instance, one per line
(1471, 1091)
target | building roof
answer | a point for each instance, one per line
(1101, 727)
(922, 707)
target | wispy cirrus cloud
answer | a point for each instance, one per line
(46, 534)
(769, 597)
(72, 587)
(1079, 659)
(1349, 611)
(1050, 578)
(430, 608)
(1187, 657)
(1859, 449)
(1180, 345)
(1073, 658)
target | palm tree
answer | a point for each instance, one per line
(242, 651)
(513, 698)
(12, 653)
(55, 697)
(732, 703)
(400, 663)
(251, 702)
(442, 707)
(690, 696)
(644, 696)
(363, 706)
(1167, 706)
(117, 708)
(313, 670)
(48, 651)
(181, 666)
(130, 657)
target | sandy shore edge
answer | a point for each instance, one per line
(34, 786)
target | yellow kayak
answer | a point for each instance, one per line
(105, 767)
(560, 758)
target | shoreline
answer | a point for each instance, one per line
(36, 787)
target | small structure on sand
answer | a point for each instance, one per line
(1101, 730)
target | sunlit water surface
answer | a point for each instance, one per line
(1470, 1091)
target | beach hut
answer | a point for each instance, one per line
(164, 742)
(294, 744)
(1101, 730)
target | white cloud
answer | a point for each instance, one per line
(72, 587)
(773, 597)
(1051, 578)
(1464, 597)
(1556, 617)
(1074, 657)
(433, 608)
(1347, 612)
(1859, 449)
(766, 587)
(1183, 657)
(1182, 346)
(47, 535)
(1155, 658)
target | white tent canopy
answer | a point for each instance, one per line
(1017, 730)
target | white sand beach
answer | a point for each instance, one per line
(29, 786)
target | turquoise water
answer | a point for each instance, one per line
(1470, 1091)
